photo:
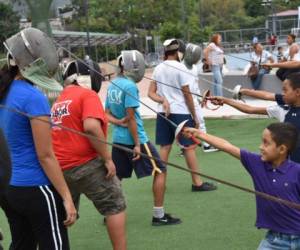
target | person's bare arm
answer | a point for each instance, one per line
(206, 53)
(41, 132)
(92, 126)
(152, 93)
(259, 94)
(285, 65)
(218, 100)
(132, 126)
(157, 98)
(190, 103)
(114, 120)
(215, 141)
(245, 107)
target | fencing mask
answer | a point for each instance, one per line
(133, 64)
(192, 55)
(84, 73)
(35, 55)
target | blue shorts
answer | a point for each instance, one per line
(142, 167)
(165, 131)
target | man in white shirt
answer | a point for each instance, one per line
(191, 54)
(259, 57)
(291, 54)
(177, 105)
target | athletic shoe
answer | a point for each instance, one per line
(165, 221)
(209, 149)
(206, 186)
(181, 154)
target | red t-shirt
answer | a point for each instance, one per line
(72, 107)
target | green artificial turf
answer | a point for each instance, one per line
(219, 220)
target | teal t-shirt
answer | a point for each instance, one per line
(122, 94)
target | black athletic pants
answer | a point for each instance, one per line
(35, 216)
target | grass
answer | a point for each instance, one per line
(218, 220)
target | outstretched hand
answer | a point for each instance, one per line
(189, 132)
(216, 100)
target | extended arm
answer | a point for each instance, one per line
(239, 105)
(285, 65)
(214, 141)
(259, 94)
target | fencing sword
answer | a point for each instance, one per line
(266, 196)
(205, 96)
(235, 91)
(177, 132)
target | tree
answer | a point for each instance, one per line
(39, 12)
(170, 30)
(9, 22)
(254, 8)
(195, 33)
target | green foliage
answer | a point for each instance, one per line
(192, 20)
(9, 22)
(254, 8)
(293, 4)
(39, 11)
(195, 32)
(170, 30)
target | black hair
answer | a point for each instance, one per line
(284, 133)
(72, 69)
(171, 53)
(7, 75)
(182, 46)
(120, 65)
(294, 80)
(279, 48)
(5, 164)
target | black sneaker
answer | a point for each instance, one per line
(209, 149)
(166, 220)
(206, 186)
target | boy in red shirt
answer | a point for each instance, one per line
(87, 164)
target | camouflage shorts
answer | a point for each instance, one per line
(89, 179)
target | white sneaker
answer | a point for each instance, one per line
(209, 149)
